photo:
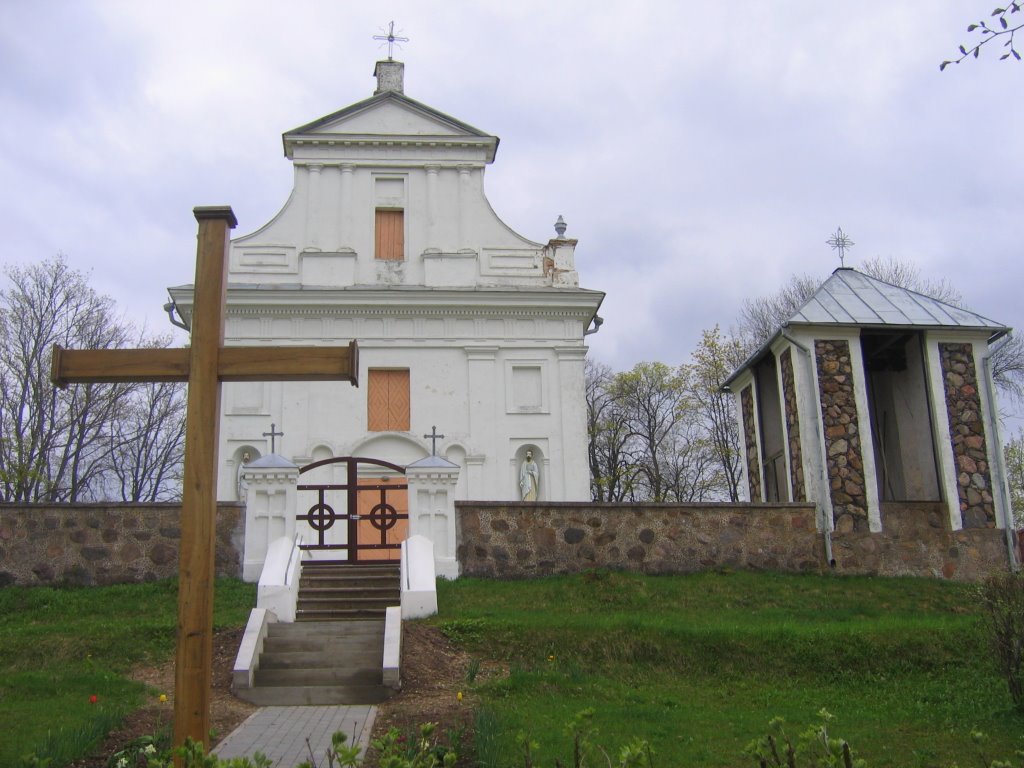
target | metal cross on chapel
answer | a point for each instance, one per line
(272, 434)
(840, 241)
(204, 365)
(433, 437)
(391, 38)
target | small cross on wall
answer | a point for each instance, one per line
(272, 434)
(433, 437)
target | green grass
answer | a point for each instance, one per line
(60, 646)
(699, 664)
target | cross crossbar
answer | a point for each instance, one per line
(74, 366)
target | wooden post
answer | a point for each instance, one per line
(192, 671)
(204, 365)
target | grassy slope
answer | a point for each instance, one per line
(58, 647)
(699, 664)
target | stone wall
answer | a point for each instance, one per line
(90, 544)
(792, 417)
(750, 443)
(519, 540)
(842, 435)
(967, 432)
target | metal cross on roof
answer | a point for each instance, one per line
(433, 437)
(272, 434)
(390, 38)
(840, 242)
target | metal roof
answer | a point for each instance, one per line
(850, 297)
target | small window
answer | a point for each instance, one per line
(387, 400)
(390, 235)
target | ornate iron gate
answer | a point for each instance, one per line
(383, 516)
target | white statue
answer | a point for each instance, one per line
(529, 479)
(240, 485)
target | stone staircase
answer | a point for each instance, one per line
(333, 653)
(331, 590)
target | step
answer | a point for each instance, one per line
(312, 659)
(318, 676)
(318, 580)
(356, 569)
(340, 646)
(349, 592)
(315, 695)
(338, 614)
(331, 628)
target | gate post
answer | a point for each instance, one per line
(431, 484)
(270, 508)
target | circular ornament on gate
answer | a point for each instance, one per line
(321, 516)
(383, 517)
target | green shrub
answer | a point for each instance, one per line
(1002, 597)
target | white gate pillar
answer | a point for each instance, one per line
(432, 509)
(269, 485)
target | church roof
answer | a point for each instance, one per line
(851, 299)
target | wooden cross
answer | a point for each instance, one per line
(204, 365)
(272, 434)
(433, 437)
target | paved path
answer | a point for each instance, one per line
(281, 732)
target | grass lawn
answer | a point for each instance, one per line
(59, 647)
(698, 665)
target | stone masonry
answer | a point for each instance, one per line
(526, 539)
(796, 466)
(842, 435)
(91, 544)
(750, 441)
(967, 433)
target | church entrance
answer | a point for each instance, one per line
(365, 517)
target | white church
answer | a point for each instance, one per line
(466, 329)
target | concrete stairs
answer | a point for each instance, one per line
(333, 653)
(332, 591)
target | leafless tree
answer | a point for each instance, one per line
(56, 444)
(612, 470)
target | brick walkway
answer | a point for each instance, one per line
(281, 732)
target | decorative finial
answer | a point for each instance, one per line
(560, 227)
(840, 242)
(391, 39)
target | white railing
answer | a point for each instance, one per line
(419, 582)
(278, 589)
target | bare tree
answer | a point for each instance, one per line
(56, 444)
(612, 470)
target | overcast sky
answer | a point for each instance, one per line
(700, 152)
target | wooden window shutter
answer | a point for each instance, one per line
(390, 239)
(388, 401)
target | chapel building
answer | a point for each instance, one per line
(462, 324)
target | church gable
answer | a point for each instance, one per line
(388, 114)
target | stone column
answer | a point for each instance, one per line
(464, 197)
(270, 508)
(483, 415)
(753, 462)
(432, 484)
(344, 216)
(574, 479)
(791, 419)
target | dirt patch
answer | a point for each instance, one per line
(433, 674)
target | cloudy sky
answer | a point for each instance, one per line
(700, 152)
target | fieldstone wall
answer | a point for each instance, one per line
(967, 431)
(792, 416)
(750, 442)
(89, 544)
(842, 435)
(916, 541)
(521, 540)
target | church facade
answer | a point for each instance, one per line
(462, 324)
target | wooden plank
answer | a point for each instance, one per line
(71, 366)
(290, 363)
(390, 231)
(194, 658)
